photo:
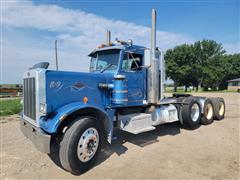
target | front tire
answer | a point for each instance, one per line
(80, 145)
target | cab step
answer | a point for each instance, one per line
(136, 123)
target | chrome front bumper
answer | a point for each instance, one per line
(40, 139)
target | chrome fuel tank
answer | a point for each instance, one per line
(164, 114)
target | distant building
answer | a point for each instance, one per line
(10, 90)
(234, 85)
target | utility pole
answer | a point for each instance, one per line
(56, 55)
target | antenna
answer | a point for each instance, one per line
(56, 55)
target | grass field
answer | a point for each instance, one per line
(10, 106)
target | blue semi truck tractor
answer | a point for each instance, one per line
(124, 90)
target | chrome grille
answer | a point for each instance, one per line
(29, 92)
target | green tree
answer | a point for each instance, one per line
(205, 52)
(214, 73)
(194, 64)
(232, 69)
(179, 65)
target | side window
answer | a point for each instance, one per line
(93, 63)
(132, 62)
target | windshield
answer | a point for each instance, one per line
(104, 60)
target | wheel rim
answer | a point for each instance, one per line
(221, 109)
(88, 144)
(195, 112)
(208, 111)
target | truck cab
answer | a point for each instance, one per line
(126, 61)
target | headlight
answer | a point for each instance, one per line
(43, 108)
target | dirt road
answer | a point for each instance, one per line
(169, 152)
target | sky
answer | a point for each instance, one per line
(29, 29)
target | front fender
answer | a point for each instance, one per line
(50, 125)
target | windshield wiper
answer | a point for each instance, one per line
(104, 69)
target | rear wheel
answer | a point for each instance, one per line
(191, 114)
(219, 108)
(80, 145)
(207, 116)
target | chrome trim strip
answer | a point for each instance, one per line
(120, 91)
(125, 100)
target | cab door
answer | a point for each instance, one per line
(136, 78)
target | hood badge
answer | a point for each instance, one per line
(78, 86)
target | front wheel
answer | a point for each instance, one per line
(80, 145)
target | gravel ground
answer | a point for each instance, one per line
(169, 152)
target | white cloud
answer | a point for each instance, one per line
(78, 33)
(89, 27)
(21, 52)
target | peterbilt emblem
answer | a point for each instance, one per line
(28, 74)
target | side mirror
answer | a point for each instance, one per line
(147, 58)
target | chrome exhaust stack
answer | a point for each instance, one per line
(153, 73)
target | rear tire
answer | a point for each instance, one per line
(219, 108)
(208, 112)
(80, 145)
(191, 114)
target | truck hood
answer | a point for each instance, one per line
(64, 87)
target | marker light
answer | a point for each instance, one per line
(85, 100)
(43, 108)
